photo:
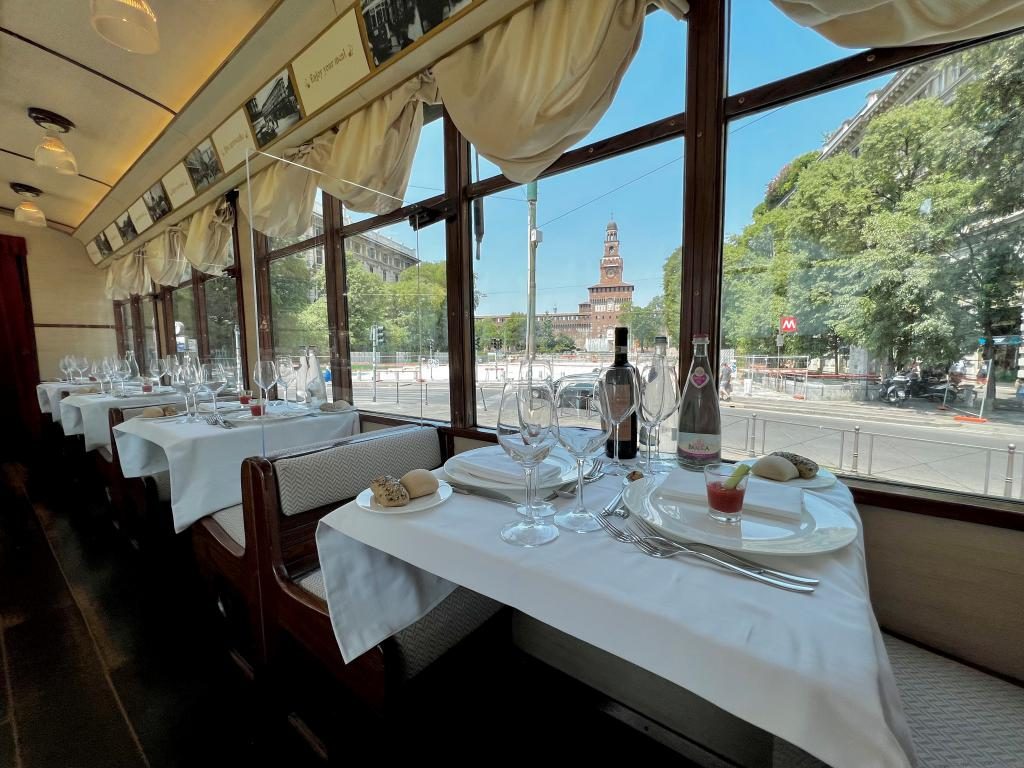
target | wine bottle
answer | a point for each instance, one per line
(621, 383)
(699, 440)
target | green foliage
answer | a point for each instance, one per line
(671, 276)
(645, 323)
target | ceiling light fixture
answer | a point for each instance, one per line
(51, 152)
(27, 211)
(128, 24)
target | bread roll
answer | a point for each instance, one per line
(419, 482)
(389, 492)
(170, 410)
(775, 468)
(804, 466)
(152, 412)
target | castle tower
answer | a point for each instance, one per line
(610, 294)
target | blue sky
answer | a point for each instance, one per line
(644, 189)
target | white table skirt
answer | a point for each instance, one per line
(205, 462)
(48, 394)
(811, 669)
(88, 415)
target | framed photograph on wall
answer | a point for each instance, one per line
(158, 204)
(394, 25)
(273, 109)
(203, 165)
(126, 227)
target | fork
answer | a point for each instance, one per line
(652, 534)
(651, 550)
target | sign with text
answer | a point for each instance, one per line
(332, 63)
(787, 324)
(113, 237)
(232, 139)
(178, 185)
(140, 215)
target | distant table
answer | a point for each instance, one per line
(48, 393)
(88, 414)
(205, 461)
(811, 669)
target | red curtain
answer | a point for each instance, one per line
(19, 366)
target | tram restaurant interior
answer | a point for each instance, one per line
(512, 379)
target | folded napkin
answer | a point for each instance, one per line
(222, 405)
(336, 407)
(761, 498)
(492, 463)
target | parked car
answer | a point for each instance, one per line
(579, 389)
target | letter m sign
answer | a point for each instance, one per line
(787, 324)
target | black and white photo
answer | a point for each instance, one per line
(157, 202)
(202, 165)
(103, 245)
(273, 109)
(126, 227)
(394, 25)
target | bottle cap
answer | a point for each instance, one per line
(701, 338)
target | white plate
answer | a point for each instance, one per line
(824, 478)
(442, 494)
(823, 526)
(559, 457)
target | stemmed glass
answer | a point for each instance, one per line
(124, 372)
(286, 376)
(527, 431)
(64, 368)
(153, 367)
(658, 398)
(622, 394)
(214, 382)
(577, 434)
(264, 376)
(167, 367)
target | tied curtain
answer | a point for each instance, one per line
(17, 351)
(887, 23)
(365, 162)
(203, 242)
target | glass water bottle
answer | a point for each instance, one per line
(700, 422)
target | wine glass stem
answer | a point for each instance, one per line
(650, 427)
(530, 495)
(579, 485)
(615, 450)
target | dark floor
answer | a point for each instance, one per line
(110, 657)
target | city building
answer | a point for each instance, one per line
(592, 325)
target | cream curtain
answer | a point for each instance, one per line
(531, 87)
(365, 162)
(164, 257)
(882, 23)
(208, 241)
(127, 277)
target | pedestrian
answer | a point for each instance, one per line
(725, 382)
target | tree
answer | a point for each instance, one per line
(644, 323)
(672, 273)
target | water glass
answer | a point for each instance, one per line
(725, 496)
(575, 403)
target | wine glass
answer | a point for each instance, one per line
(673, 400)
(622, 394)
(63, 365)
(574, 405)
(657, 401)
(527, 431)
(264, 376)
(167, 367)
(153, 368)
(213, 382)
(286, 375)
(124, 372)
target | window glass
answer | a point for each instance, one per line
(316, 227)
(890, 254)
(185, 334)
(129, 333)
(653, 87)
(766, 45)
(610, 255)
(223, 332)
(149, 337)
(398, 324)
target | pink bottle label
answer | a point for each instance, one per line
(699, 377)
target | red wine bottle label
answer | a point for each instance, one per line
(699, 446)
(699, 377)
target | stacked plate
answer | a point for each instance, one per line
(491, 469)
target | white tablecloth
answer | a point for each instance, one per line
(88, 415)
(811, 669)
(205, 462)
(48, 393)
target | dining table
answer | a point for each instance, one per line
(204, 460)
(809, 668)
(88, 414)
(48, 394)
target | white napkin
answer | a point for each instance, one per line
(222, 405)
(492, 463)
(761, 497)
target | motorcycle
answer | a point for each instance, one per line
(904, 386)
(895, 389)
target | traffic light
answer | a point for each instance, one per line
(380, 335)
(496, 343)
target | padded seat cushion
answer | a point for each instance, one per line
(958, 716)
(336, 474)
(233, 523)
(421, 644)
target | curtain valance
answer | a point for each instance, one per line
(533, 86)
(128, 277)
(208, 240)
(165, 259)
(887, 23)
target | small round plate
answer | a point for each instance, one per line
(824, 478)
(823, 526)
(442, 494)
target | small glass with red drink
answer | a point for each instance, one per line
(725, 492)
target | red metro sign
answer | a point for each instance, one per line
(787, 324)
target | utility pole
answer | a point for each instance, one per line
(534, 236)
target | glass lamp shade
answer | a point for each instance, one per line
(29, 213)
(128, 24)
(53, 154)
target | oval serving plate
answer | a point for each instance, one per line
(824, 478)
(366, 501)
(823, 526)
